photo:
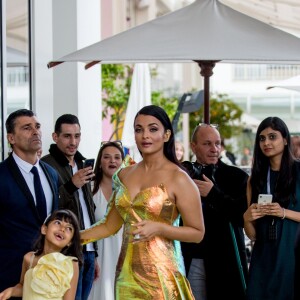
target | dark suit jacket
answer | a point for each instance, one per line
(19, 220)
(226, 202)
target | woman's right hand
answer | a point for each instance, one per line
(254, 212)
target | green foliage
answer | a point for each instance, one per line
(116, 81)
(224, 112)
(168, 104)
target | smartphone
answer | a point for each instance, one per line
(89, 163)
(264, 198)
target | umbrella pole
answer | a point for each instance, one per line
(206, 67)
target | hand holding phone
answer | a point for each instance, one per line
(264, 198)
(89, 163)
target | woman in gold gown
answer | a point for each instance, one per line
(148, 199)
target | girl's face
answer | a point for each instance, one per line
(58, 234)
(150, 134)
(111, 160)
(271, 142)
(179, 151)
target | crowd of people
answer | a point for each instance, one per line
(160, 228)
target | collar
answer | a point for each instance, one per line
(24, 165)
(61, 158)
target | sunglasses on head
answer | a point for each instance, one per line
(117, 142)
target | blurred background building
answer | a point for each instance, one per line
(33, 32)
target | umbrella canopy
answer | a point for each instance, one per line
(140, 95)
(205, 31)
(290, 84)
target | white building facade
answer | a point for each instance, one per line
(33, 32)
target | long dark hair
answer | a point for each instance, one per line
(75, 248)
(286, 183)
(97, 170)
(161, 115)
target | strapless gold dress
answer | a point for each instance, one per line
(153, 269)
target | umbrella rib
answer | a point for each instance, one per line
(54, 63)
(92, 63)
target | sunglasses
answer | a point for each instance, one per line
(210, 125)
(117, 142)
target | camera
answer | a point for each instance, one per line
(196, 170)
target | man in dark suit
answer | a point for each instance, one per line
(20, 220)
(217, 267)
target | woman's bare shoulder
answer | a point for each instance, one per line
(127, 170)
(178, 177)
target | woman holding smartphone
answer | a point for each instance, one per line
(272, 225)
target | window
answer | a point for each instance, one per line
(17, 47)
(264, 72)
(15, 70)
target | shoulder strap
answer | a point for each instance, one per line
(31, 260)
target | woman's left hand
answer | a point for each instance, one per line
(272, 209)
(146, 230)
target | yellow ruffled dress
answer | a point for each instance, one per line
(50, 278)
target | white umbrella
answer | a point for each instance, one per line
(140, 95)
(290, 84)
(205, 32)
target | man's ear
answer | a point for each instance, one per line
(54, 137)
(10, 138)
(193, 145)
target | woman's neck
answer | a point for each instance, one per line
(275, 163)
(153, 162)
(106, 180)
(106, 187)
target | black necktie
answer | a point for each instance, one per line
(39, 194)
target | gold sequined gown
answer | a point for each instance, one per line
(152, 269)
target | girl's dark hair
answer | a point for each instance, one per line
(161, 115)
(97, 170)
(286, 184)
(75, 249)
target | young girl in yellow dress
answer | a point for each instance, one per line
(51, 270)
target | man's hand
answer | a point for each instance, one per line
(204, 185)
(97, 270)
(82, 177)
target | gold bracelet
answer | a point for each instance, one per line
(283, 217)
